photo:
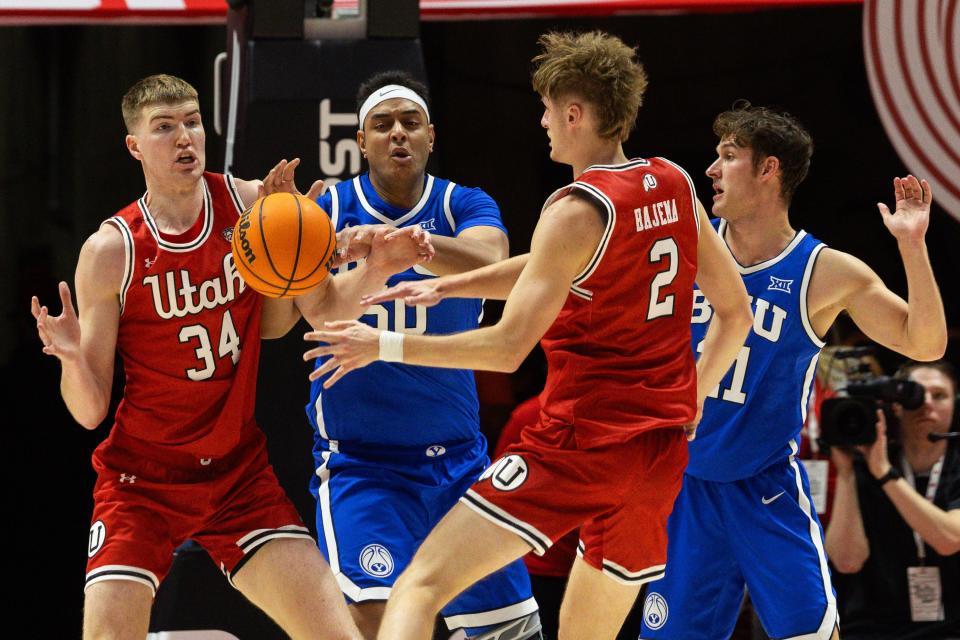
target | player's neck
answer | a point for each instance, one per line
(922, 454)
(757, 238)
(597, 151)
(174, 208)
(404, 193)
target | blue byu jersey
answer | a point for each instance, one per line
(391, 405)
(751, 419)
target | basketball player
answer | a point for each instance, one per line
(744, 515)
(609, 280)
(157, 284)
(396, 446)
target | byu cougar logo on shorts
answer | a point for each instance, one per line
(98, 533)
(507, 473)
(376, 561)
(655, 611)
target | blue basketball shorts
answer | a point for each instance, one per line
(761, 532)
(374, 509)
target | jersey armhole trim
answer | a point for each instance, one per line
(693, 190)
(602, 198)
(804, 292)
(129, 251)
(447, 194)
(334, 207)
(234, 194)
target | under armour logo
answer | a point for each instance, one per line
(125, 478)
(776, 284)
(148, 262)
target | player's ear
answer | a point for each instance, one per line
(133, 147)
(431, 135)
(769, 166)
(574, 113)
(361, 142)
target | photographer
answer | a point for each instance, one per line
(895, 528)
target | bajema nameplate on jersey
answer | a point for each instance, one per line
(656, 215)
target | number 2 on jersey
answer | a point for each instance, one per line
(663, 248)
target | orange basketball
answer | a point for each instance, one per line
(282, 245)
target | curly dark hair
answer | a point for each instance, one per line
(769, 133)
(394, 76)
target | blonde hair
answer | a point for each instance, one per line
(598, 68)
(156, 89)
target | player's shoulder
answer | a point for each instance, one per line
(836, 274)
(104, 254)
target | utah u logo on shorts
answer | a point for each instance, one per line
(507, 473)
(98, 533)
(376, 561)
(655, 611)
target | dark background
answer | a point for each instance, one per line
(66, 169)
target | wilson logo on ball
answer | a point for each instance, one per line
(282, 245)
(243, 226)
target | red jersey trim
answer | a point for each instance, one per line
(130, 254)
(626, 166)
(693, 189)
(234, 194)
(181, 247)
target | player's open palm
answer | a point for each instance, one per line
(282, 179)
(60, 334)
(351, 345)
(912, 215)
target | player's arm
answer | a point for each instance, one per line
(86, 343)
(846, 539)
(472, 248)
(722, 285)
(938, 528)
(565, 239)
(492, 282)
(915, 327)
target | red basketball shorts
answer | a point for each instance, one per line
(619, 495)
(146, 505)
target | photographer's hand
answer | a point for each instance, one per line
(878, 461)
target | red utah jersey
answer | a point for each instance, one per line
(619, 354)
(186, 318)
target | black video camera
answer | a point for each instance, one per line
(852, 419)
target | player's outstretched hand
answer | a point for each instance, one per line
(426, 293)
(912, 215)
(351, 345)
(281, 179)
(396, 250)
(61, 334)
(354, 243)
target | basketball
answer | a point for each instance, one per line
(282, 245)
